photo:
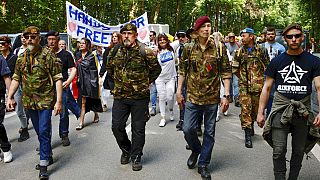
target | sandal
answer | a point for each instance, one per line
(95, 119)
(79, 127)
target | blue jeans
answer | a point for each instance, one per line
(153, 94)
(192, 113)
(41, 120)
(235, 86)
(68, 102)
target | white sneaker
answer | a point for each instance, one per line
(171, 116)
(7, 157)
(162, 122)
(225, 113)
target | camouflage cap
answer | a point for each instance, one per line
(129, 27)
(292, 26)
(31, 30)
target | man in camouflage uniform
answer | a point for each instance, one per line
(201, 69)
(249, 64)
(37, 70)
(133, 67)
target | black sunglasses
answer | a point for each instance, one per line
(290, 36)
(30, 36)
(3, 43)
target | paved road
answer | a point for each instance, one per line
(93, 153)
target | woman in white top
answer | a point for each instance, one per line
(166, 81)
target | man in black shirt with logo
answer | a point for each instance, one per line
(292, 73)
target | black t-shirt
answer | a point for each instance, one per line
(67, 62)
(293, 74)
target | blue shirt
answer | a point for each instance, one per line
(274, 49)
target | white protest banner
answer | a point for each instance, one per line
(81, 24)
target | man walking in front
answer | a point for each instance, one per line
(249, 64)
(292, 73)
(133, 68)
(201, 69)
(39, 72)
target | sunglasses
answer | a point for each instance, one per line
(3, 43)
(290, 36)
(30, 36)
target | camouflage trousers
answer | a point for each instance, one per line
(249, 103)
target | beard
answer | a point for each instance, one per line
(127, 43)
(31, 47)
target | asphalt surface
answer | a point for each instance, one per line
(94, 154)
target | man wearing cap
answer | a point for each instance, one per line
(249, 64)
(39, 72)
(201, 70)
(232, 46)
(133, 68)
(11, 59)
(292, 72)
(68, 101)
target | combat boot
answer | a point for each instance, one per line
(252, 129)
(248, 141)
(24, 135)
(179, 125)
(136, 163)
(43, 174)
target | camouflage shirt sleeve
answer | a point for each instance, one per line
(183, 64)
(236, 61)
(153, 65)
(225, 65)
(18, 68)
(109, 64)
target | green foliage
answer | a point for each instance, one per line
(226, 15)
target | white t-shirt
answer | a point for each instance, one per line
(167, 63)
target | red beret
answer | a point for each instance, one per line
(201, 20)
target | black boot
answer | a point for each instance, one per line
(43, 174)
(205, 174)
(252, 129)
(248, 142)
(125, 156)
(192, 160)
(24, 135)
(65, 140)
(179, 125)
(136, 163)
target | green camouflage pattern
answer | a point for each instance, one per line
(249, 109)
(38, 79)
(250, 70)
(203, 70)
(132, 72)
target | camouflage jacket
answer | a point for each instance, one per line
(202, 70)
(132, 72)
(250, 68)
(37, 74)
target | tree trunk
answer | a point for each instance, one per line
(178, 16)
(216, 20)
(156, 12)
